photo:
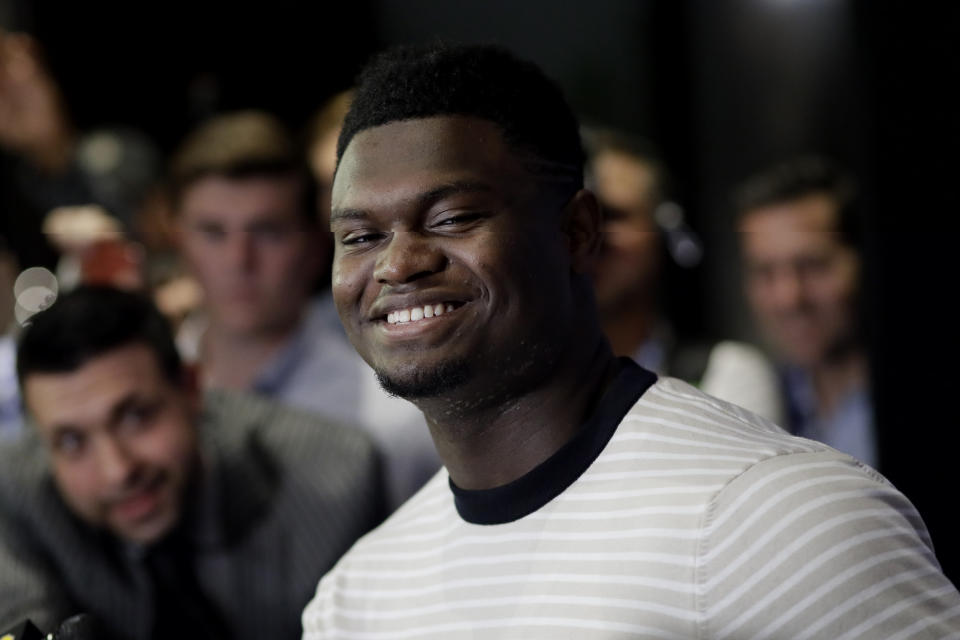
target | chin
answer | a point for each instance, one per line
(147, 533)
(420, 383)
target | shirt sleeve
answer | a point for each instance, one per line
(816, 545)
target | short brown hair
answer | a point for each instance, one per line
(240, 145)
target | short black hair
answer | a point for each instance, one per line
(484, 81)
(239, 145)
(797, 178)
(90, 321)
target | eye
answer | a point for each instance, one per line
(760, 272)
(270, 232)
(211, 232)
(458, 220)
(69, 443)
(138, 417)
(813, 265)
(360, 237)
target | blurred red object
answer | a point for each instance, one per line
(113, 261)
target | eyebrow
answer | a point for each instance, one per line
(116, 412)
(423, 200)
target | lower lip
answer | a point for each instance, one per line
(138, 507)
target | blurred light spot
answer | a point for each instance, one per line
(35, 289)
(669, 216)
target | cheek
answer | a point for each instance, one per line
(283, 258)
(836, 289)
(760, 294)
(347, 280)
(169, 444)
(204, 261)
(78, 486)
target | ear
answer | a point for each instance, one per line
(583, 228)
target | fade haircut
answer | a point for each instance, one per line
(91, 321)
(239, 145)
(482, 81)
(800, 177)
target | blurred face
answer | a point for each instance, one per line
(629, 261)
(801, 280)
(450, 265)
(248, 246)
(121, 439)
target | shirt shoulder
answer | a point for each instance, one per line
(704, 422)
(311, 454)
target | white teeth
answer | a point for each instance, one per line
(413, 314)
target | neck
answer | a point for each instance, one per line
(628, 328)
(835, 378)
(232, 360)
(489, 446)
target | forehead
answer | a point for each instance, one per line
(89, 392)
(809, 222)
(226, 199)
(400, 159)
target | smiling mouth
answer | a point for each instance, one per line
(419, 313)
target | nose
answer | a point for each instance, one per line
(115, 463)
(787, 288)
(241, 251)
(406, 257)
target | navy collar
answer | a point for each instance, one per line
(554, 475)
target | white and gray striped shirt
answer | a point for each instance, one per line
(696, 520)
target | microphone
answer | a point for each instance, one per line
(82, 626)
(23, 631)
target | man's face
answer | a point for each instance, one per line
(121, 439)
(247, 244)
(630, 260)
(450, 262)
(801, 280)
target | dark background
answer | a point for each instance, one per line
(721, 88)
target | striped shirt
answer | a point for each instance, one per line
(696, 520)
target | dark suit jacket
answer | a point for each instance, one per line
(281, 496)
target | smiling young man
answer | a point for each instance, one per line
(582, 497)
(130, 502)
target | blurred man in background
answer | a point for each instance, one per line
(629, 279)
(162, 514)
(245, 209)
(802, 264)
